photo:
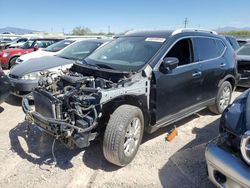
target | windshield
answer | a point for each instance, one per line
(27, 44)
(127, 53)
(79, 50)
(244, 50)
(58, 46)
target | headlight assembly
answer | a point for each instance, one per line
(32, 76)
(6, 54)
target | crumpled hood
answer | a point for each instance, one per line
(39, 64)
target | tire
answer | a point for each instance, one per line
(118, 133)
(219, 106)
(12, 62)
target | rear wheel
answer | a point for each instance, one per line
(12, 62)
(223, 98)
(123, 135)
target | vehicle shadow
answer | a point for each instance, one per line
(13, 100)
(187, 167)
(36, 147)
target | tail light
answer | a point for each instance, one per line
(245, 147)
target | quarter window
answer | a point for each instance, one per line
(208, 48)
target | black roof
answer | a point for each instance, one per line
(153, 33)
(98, 40)
(46, 39)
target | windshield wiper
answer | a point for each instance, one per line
(105, 66)
(93, 65)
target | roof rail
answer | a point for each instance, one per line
(189, 29)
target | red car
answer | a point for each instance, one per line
(9, 56)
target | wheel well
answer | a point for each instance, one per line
(232, 81)
(137, 101)
(11, 59)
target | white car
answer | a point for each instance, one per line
(50, 50)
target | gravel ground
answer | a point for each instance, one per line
(26, 158)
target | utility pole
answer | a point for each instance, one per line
(185, 23)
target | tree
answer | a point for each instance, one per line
(81, 30)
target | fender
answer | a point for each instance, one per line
(229, 78)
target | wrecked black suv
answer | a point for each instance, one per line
(139, 82)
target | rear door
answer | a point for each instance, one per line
(210, 56)
(179, 88)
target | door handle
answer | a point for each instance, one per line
(197, 74)
(222, 65)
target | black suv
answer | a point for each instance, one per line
(140, 81)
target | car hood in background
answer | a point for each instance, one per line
(39, 64)
(37, 54)
(243, 57)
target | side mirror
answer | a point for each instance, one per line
(169, 63)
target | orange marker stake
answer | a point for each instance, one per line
(171, 135)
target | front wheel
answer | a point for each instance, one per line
(123, 135)
(223, 98)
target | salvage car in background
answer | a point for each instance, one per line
(228, 156)
(232, 40)
(14, 43)
(8, 57)
(50, 50)
(24, 76)
(4, 86)
(243, 59)
(141, 81)
(242, 41)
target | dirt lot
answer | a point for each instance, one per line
(26, 158)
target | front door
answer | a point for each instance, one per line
(180, 88)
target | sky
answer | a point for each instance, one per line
(120, 16)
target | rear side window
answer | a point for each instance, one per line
(208, 48)
(220, 47)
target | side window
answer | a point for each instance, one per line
(183, 51)
(220, 47)
(209, 48)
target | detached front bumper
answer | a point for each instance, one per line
(225, 170)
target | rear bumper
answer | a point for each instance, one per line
(22, 87)
(235, 173)
(244, 82)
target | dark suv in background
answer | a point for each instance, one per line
(141, 81)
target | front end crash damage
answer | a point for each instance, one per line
(74, 107)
